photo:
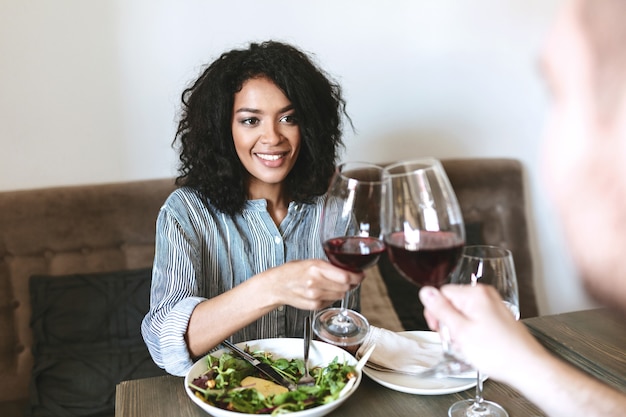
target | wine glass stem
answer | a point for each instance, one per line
(478, 399)
(343, 313)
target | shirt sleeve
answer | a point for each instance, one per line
(174, 295)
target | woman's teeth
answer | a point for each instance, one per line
(269, 157)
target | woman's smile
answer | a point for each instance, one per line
(271, 157)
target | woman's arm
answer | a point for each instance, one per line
(307, 285)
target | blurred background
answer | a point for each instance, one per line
(90, 90)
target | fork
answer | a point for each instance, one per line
(425, 373)
(307, 379)
(435, 371)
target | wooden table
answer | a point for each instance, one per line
(593, 340)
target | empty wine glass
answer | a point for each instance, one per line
(352, 240)
(424, 232)
(487, 265)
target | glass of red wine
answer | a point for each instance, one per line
(423, 230)
(352, 239)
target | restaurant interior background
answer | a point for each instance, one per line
(89, 90)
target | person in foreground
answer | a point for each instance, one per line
(585, 67)
(238, 254)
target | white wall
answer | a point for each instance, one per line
(89, 90)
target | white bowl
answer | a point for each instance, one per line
(321, 354)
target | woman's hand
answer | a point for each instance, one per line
(310, 284)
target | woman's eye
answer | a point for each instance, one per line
(289, 119)
(250, 121)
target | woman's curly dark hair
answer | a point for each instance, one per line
(208, 160)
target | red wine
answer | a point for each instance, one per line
(428, 262)
(354, 253)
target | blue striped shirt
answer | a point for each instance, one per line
(201, 253)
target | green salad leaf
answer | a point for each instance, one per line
(221, 387)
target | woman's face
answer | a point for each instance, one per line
(266, 134)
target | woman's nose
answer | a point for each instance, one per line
(271, 135)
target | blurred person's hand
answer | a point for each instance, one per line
(482, 329)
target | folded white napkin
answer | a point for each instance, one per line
(399, 352)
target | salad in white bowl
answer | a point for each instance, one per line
(224, 385)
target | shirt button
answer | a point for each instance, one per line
(281, 308)
(278, 240)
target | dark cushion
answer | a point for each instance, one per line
(86, 339)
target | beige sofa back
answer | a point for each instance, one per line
(66, 230)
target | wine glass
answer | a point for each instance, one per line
(352, 240)
(424, 233)
(488, 265)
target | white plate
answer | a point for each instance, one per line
(320, 355)
(413, 384)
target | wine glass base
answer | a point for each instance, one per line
(340, 328)
(469, 408)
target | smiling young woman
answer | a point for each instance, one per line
(238, 254)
